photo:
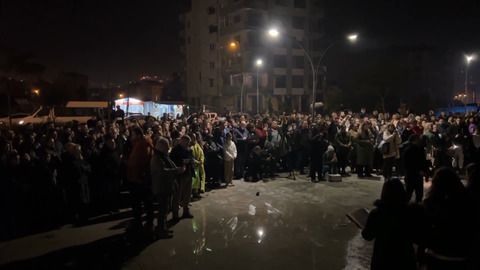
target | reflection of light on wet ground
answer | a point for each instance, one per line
(260, 234)
(358, 254)
(252, 210)
(271, 209)
(236, 229)
(232, 223)
(194, 225)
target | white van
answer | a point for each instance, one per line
(80, 111)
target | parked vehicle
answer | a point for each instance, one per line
(80, 111)
(39, 116)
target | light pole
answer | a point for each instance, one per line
(233, 47)
(468, 59)
(241, 93)
(258, 65)
(275, 33)
(352, 38)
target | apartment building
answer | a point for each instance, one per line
(225, 38)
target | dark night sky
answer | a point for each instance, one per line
(118, 41)
(408, 22)
(108, 40)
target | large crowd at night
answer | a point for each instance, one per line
(54, 175)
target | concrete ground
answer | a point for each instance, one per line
(279, 224)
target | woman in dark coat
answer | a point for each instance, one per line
(213, 160)
(390, 225)
(74, 176)
(449, 221)
(473, 189)
(110, 175)
(365, 151)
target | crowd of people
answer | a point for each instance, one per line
(59, 174)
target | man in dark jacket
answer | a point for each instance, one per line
(182, 156)
(343, 145)
(110, 174)
(240, 136)
(318, 146)
(415, 167)
(301, 143)
(163, 172)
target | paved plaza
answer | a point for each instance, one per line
(279, 224)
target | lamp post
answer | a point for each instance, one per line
(234, 46)
(275, 34)
(241, 93)
(351, 38)
(258, 65)
(468, 59)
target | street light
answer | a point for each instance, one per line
(258, 65)
(275, 33)
(352, 37)
(36, 91)
(468, 59)
(120, 95)
(233, 46)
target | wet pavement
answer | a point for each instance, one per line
(280, 224)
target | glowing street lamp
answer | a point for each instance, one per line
(468, 60)
(36, 91)
(352, 37)
(273, 32)
(233, 46)
(258, 64)
(121, 95)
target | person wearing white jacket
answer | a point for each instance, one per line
(229, 156)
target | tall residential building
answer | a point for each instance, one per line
(223, 40)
